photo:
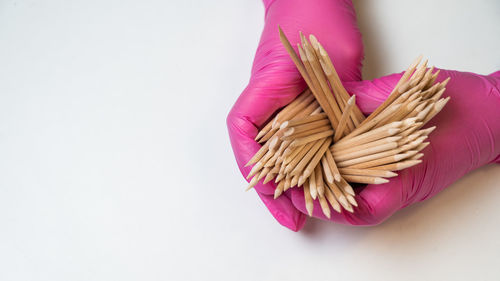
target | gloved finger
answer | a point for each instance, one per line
(241, 132)
(273, 86)
(284, 211)
(375, 204)
(371, 93)
(333, 22)
(496, 74)
(252, 109)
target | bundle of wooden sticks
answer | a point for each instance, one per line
(321, 141)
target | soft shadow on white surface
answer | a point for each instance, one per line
(416, 222)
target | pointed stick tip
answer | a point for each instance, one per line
(352, 200)
(351, 100)
(251, 185)
(337, 177)
(391, 174)
(310, 208)
(301, 181)
(379, 180)
(277, 193)
(343, 201)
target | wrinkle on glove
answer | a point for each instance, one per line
(275, 81)
(467, 137)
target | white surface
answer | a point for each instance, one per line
(116, 165)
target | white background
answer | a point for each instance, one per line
(115, 162)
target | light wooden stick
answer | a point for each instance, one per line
(287, 115)
(422, 146)
(332, 165)
(279, 189)
(365, 179)
(409, 138)
(304, 73)
(332, 200)
(326, 169)
(284, 145)
(339, 195)
(290, 153)
(271, 174)
(418, 75)
(426, 132)
(339, 131)
(252, 183)
(309, 155)
(369, 137)
(422, 114)
(307, 133)
(416, 156)
(312, 186)
(319, 179)
(352, 201)
(308, 110)
(363, 128)
(318, 72)
(288, 183)
(334, 80)
(308, 199)
(434, 77)
(346, 187)
(368, 158)
(397, 166)
(349, 194)
(430, 91)
(294, 181)
(296, 60)
(315, 160)
(304, 120)
(367, 172)
(381, 161)
(395, 92)
(436, 109)
(305, 127)
(297, 148)
(405, 109)
(311, 138)
(257, 156)
(281, 174)
(316, 88)
(337, 153)
(365, 152)
(263, 173)
(299, 156)
(421, 106)
(438, 95)
(324, 206)
(303, 111)
(287, 108)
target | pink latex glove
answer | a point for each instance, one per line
(467, 137)
(275, 81)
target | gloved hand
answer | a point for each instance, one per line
(275, 81)
(467, 137)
